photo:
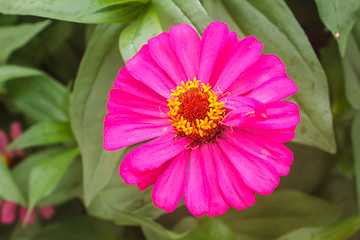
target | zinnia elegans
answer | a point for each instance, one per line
(8, 209)
(212, 109)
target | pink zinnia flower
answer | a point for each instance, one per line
(212, 109)
(8, 209)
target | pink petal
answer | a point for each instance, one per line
(218, 205)
(130, 177)
(4, 142)
(185, 43)
(15, 132)
(197, 196)
(274, 90)
(123, 134)
(246, 54)
(22, 215)
(161, 51)
(8, 212)
(46, 212)
(279, 115)
(120, 100)
(244, 108)
(227, 51)
(235, 192)
(257, 174)
(169, 187)
(126, 82)
(145, 69)
(256, 147)
(277, 135)
(212, 43)
(151, 177)
(264, 69)
(156, 152)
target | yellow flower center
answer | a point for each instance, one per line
(6, 160)
(195, 111)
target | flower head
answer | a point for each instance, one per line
(212, 109)
(8, 209)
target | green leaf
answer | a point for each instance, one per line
(173, 12)
(8, 72)
(310, 169)
(133, 37)
(14, 37)
(81, 11)
(339, 17)
(158, 18)
(275, 26)
(69, 186)
(21, 172)
(98, 70)
(211, 229)
(81, 227)
(281, 212)
(132, 219)
(355, 137)
(351, 67)
(125, 198)
(307, 233)
(45, 176)
(8, 188)
(42, 134)
(339, 231)
(331, 60)
(41, 98)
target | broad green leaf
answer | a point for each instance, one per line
(14, 37)
(6, 20)
(158, 18)
(106, 166)
(339, 17)
(211, 229)
(41, 98)
(331, 62)
(133, 37)
(81, 227)
(351, 65)
(311, 167)
(8, 188)
(339, 231)
(42, 134)
(275, 26)
(8, 72)
(281, 212)
(68, 186)
(173, 12)
(132, 219)
(81, 11)
(355, 137)
(307, 233)
(21, 172)
(123, 197)
(98, 70)
(45, 176)
(19, 232)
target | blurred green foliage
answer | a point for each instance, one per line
(59, 59)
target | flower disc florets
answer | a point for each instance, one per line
(195, 111)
